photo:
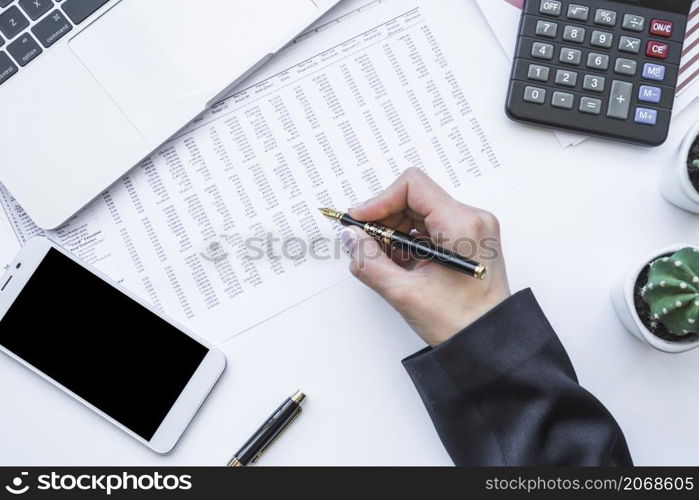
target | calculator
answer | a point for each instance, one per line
(606, 68)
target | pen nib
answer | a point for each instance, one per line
(330, 213)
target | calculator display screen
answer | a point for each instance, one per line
(100, 344)
(677, 6)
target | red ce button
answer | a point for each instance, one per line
(658, 50)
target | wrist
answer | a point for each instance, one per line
(458, 321)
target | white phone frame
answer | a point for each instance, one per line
(194, 393)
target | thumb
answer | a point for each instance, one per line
(370, 264)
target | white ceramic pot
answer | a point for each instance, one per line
(675, 185)
(623, 299)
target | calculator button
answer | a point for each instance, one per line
(659, 50)
(646, 116)
(598, 61)
(542, 51)
(550, 8)
(566, 78)
(562, 100)
(658, 27)
(539, 73)
(574, 34)
(633, 23)
(630, 45)
(570, 56)
(627, 67)
(547, 29)
(594, 83)
(534, 95)
(605, 17)
(650, 94)
(654, 72)
(602, 39)
(590, 105)
(620, 100)
(578, 12)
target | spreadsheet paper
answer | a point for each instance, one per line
(219, 227)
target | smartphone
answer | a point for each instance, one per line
(103, 346)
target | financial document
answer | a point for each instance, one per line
(219, 227)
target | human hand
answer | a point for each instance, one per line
(437, 302)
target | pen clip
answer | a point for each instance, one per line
(274, 439)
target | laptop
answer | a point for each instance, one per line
(88, 88)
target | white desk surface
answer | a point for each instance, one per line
(573, 228)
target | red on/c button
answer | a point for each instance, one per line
(659, 50)
(658, 27)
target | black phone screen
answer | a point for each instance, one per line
(99, 343)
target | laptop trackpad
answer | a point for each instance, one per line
(162, 60)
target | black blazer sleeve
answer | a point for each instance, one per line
(503, 392)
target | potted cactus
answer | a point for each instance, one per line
(658, 301)
(680, 183)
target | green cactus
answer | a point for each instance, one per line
(672, 292)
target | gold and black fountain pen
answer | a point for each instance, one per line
(418, 248)
(269, 432)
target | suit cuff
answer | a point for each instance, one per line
(510, 334)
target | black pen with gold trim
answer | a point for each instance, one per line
(269, 432)
(418, 248)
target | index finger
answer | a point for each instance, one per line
(413, 193)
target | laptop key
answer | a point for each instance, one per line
(12, 22)
(35, 8)
(24, 49)
(7, 68)
(50, 29)
(5, 3)
(79, 10)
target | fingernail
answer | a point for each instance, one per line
(348, 241)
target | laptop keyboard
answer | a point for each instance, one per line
(27, 27)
